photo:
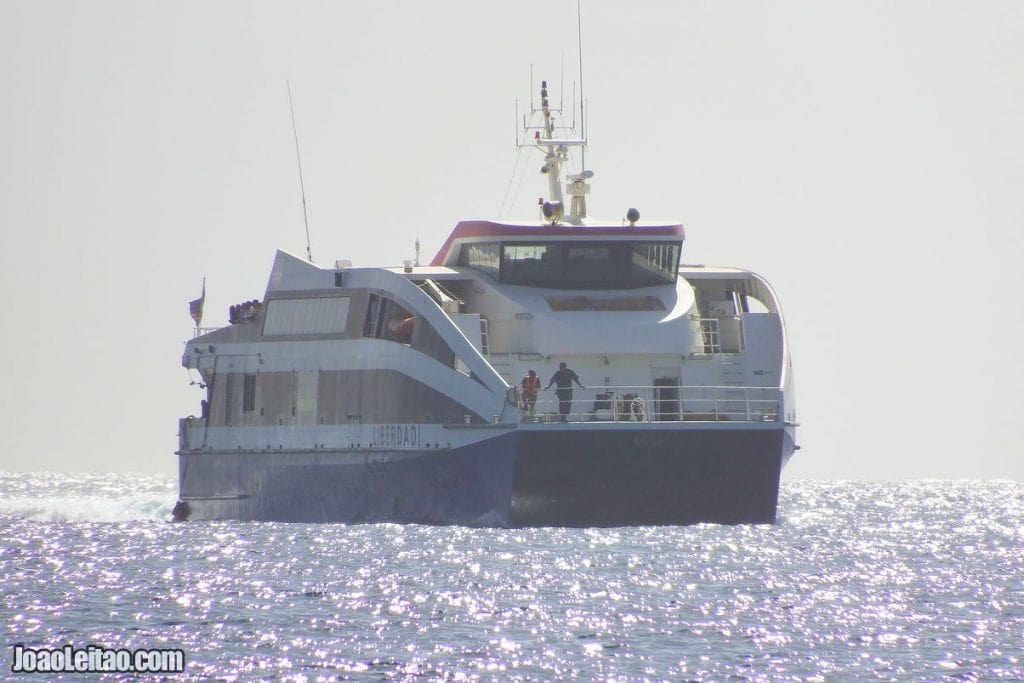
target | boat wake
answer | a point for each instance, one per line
(146, 507)
(66, 497)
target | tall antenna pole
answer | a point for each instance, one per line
(583, 117)
(302, 187)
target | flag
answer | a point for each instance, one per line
(195, 307)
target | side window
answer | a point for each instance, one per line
(229, 398)
(371, 324)
(399, 324)
(429, 342)
(249, 394)
(387, 319)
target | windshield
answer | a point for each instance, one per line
(591, 265)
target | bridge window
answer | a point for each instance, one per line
(654, 264)
(591, 265)
(485, 257)
(536, 265)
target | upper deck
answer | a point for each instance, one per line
(567, 257)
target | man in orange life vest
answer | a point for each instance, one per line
(531, 385)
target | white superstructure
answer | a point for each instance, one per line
(369, 380)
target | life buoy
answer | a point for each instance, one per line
(636, 409)
(632, 408)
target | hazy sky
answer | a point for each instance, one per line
(866, 157)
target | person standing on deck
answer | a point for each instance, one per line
(563, 379)
(531, 385)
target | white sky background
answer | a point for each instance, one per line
(866, 157)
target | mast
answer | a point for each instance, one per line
(557, 153)
(302, 186)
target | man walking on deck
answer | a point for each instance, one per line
(563, 379)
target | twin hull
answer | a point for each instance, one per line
(512, 475)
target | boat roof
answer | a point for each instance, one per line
(432, 272)
(704, 271)
(483, 231)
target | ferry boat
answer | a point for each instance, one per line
(400, 394)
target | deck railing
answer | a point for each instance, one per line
(661, 403)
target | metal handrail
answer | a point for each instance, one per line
(660, 403)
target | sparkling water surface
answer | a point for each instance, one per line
(857, 581)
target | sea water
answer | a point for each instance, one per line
(904, 581)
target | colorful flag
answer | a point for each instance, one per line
(195, 307)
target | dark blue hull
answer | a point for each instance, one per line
(626, 477)
(573, 475)
(469, 486)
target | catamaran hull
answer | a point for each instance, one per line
(574, 476)
(626, 477)
(470, 485)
